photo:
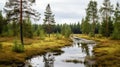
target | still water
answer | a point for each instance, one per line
(75, 52)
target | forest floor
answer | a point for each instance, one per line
(107, 51)
(33, 47)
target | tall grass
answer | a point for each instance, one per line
(58, 35)
(17, 47)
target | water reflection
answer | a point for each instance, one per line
(76, 52)
(48, 60)
(85, 49)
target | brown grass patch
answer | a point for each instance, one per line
(33, 47)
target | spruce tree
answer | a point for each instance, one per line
(15, 28)
(116, 32)
(49, 20)
(27, 28)
(2, 23)
(66, 30)
(85, 26)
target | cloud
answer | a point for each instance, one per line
(66, 11)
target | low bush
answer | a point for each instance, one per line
(91, 34)
(42, 34)
(18, 47)
(99, 36)
(58, 36)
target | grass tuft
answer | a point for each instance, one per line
(18, 47)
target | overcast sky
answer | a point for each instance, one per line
(66, 11)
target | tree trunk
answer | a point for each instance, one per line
(21, 31)
(106, 25)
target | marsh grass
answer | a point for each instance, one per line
(37, 47)
(107, 51)
(18, 47)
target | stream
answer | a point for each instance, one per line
(72, 56)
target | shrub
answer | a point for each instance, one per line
(68, 32)
(115, 36)
(91, 34)
(58, 35)
(18, 47)
(99, 36)
(42, 34)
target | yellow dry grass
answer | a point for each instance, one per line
(107, 51)
(34, 46)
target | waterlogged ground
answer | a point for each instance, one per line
(33, 47)
(105, 51)
(73, 56)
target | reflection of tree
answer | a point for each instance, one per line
(85, 49)
(78, 44)
(88, 64)
(48, 60)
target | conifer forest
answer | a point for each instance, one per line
(59, 33)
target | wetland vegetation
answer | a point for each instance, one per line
(94, 41)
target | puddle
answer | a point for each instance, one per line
(73, 56)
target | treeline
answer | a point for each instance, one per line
(104, 21)
(30, 30)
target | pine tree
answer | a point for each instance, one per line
(15, 28)
(2, 23)
(19, 9)
(116, 32)
(106, 11)
(98, 25)
(66, 30)
(85, 26)
(91, 13)
(82, 25)
(35, 29)
(8, 30)
(49, 20)
(27, 28)
(42, 33)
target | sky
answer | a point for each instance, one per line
(65, 11)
